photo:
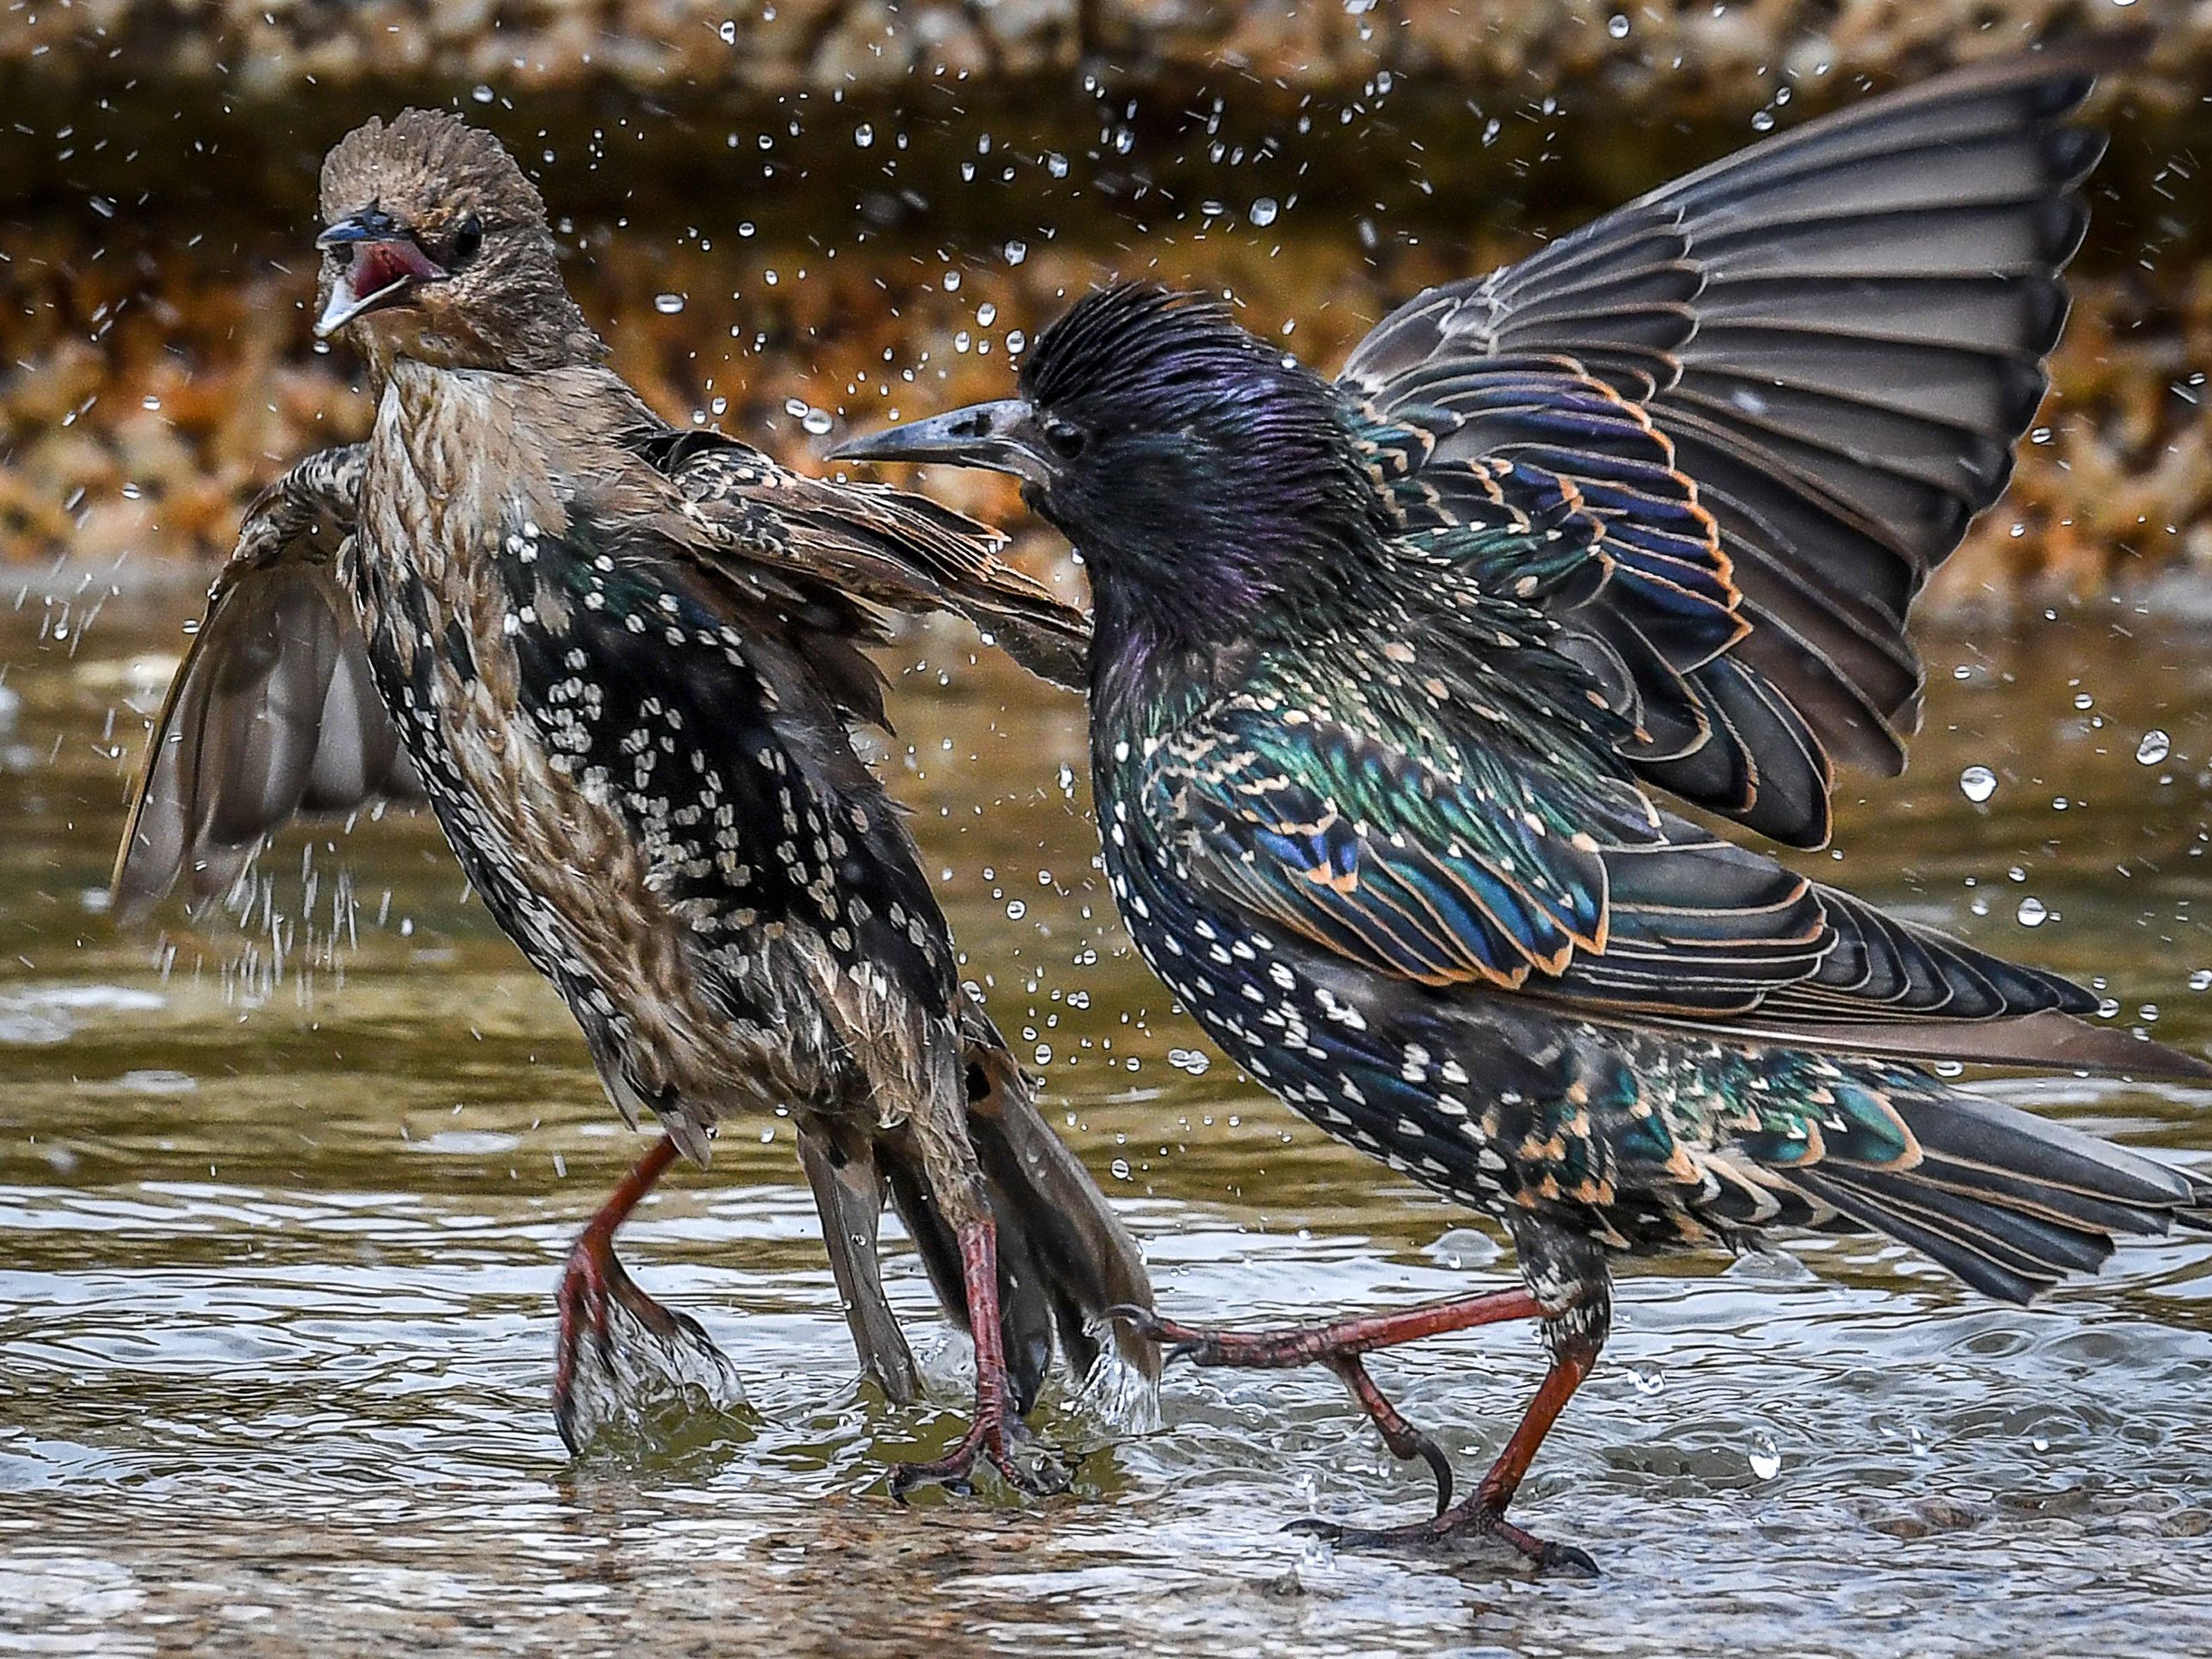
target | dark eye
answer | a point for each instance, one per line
(466, 240)
(1066, 440)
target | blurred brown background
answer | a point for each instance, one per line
(782, 213)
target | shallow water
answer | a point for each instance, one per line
(283, 1214)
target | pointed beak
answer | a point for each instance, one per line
(382, 266)
(1005, 437)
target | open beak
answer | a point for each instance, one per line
(1005, 436)
(385, 266)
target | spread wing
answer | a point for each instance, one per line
(1776, 393)
(273, 711)
(873, 543)
(1469, 862)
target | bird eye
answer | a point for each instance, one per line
(1066, 441)
(466, 240)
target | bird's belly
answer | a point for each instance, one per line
(1364, 1080)
(1505, 1108)
(673, 1017)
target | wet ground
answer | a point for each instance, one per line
(284, 1194)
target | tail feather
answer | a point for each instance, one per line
(1086, 1260)
(1026, 1321)
(2009, 1201)
(848, 1189)
(1063, 1257)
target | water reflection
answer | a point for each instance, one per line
(283, 1209)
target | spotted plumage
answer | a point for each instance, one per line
(620, 662)
(1393, 677)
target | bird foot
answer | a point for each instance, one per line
(1449, 1530)
(1245, 1350)
(1001, 1439)
(1338, 1347)
(619, 1349)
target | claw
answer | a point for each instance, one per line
(1175, 1341)
(1440, 1466)
(987, 1443)
(1144, 1322)
(1447, 1530)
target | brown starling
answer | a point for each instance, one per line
(619, 662)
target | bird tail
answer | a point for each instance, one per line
(1064, 1258)
(2008, 1201)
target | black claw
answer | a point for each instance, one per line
(1439, 1465)
(1145, 1321)
(1565, 1557)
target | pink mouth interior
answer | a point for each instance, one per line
(377, 265)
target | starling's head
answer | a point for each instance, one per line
(1208, 479)
(435, 247)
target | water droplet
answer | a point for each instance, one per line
(482, 94)
(2083, 700)
(2033, 912)
(1120, 1168)
(1045, 1054)
(668, 304)
(1262, 213)
(2148, 1013)
(1977, 784)
(2155, 747)
(816, 422)
(746, 227)
(1016, 252)
(1016, 910)
(1764, 121)
(1765, 1457)
(1056, 164)
(863, 135)
(1617, 26)
(728, 31)
(952, 281)
(796, 408)
(986, 314)
(1192, 1061)
(2201, 980)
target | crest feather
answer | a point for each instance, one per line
(420, 158)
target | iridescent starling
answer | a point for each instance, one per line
(1392, 676)
(619, 662)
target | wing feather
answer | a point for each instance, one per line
(273, 711)
(1779, 390)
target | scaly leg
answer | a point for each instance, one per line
(594, 1282)
(1317, 1345)
(997, 1428)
